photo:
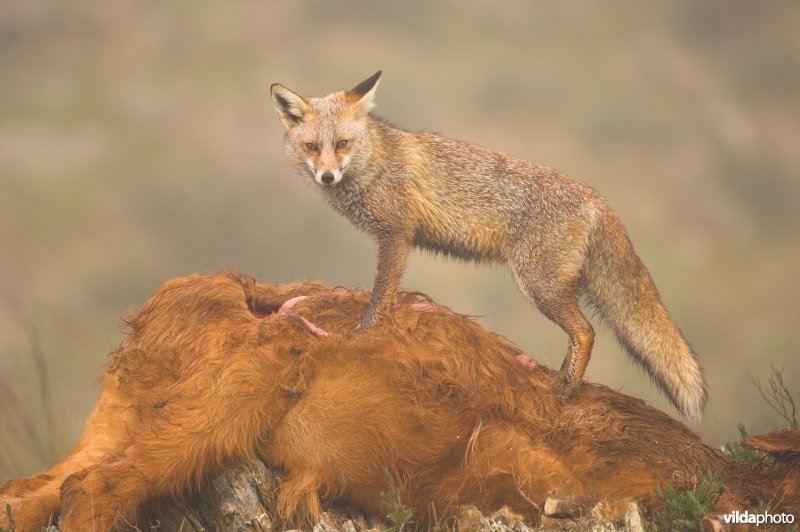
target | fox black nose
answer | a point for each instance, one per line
(327, 178)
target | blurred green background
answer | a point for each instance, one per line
(138, 143)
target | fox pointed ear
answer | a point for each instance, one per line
(362, 95)
(292, 108)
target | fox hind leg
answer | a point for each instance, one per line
(555, 295)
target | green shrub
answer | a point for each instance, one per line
(685, 508)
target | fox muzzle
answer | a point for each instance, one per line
(328, 177)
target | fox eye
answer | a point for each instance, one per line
(311, 146)
(341, 144)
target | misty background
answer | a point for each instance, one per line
(138, 143)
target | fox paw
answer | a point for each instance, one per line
(370, 320)
(564, 387)
(352, 333)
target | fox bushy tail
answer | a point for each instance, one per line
(618, 285)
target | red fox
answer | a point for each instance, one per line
(558, 236)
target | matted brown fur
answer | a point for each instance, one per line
(211, 374)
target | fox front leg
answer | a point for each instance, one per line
(393, 248)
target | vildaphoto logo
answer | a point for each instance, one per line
(758, 519)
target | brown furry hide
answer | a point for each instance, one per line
(212, 374)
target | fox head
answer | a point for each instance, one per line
(326, 136)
